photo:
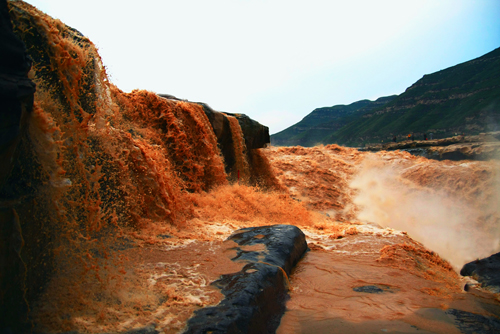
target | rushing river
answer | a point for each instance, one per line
(131, 194)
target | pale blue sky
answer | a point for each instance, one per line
(277, 60)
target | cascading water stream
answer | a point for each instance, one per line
(241, 170)
(101, 170)
(124, 202)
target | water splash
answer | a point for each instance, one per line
(451, 207)
(112, 173)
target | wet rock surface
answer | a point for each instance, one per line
(486, 271)
(222, 130)
(255, 134)
(372, 289)
(255, 296)
(471, 323)
(16, 99)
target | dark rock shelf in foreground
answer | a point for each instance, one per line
(255, 296)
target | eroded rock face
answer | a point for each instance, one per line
(41, 198)
(222, 130)
(255, 296)
(16, 100)
(486, 271)
(255, 134)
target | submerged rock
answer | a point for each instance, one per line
(486, 271)
(255, 296)
(368, 289)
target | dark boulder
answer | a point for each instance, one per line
(486, 271)
(255, 134)
(255, 296)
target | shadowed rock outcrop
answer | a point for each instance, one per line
(486, 271)
(16, 92)
(255, 134)
(222, 130)
(16, 100)
(255, 296)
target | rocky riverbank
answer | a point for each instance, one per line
(484, 146)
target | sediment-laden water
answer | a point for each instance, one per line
(132, 203)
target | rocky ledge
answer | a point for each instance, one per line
(255, 296)
(255, 134)
(484, 146)
(486, 271)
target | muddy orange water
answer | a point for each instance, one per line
(451, 207)
(140, 206)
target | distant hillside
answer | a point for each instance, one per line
(462, 98)
(319, 125)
